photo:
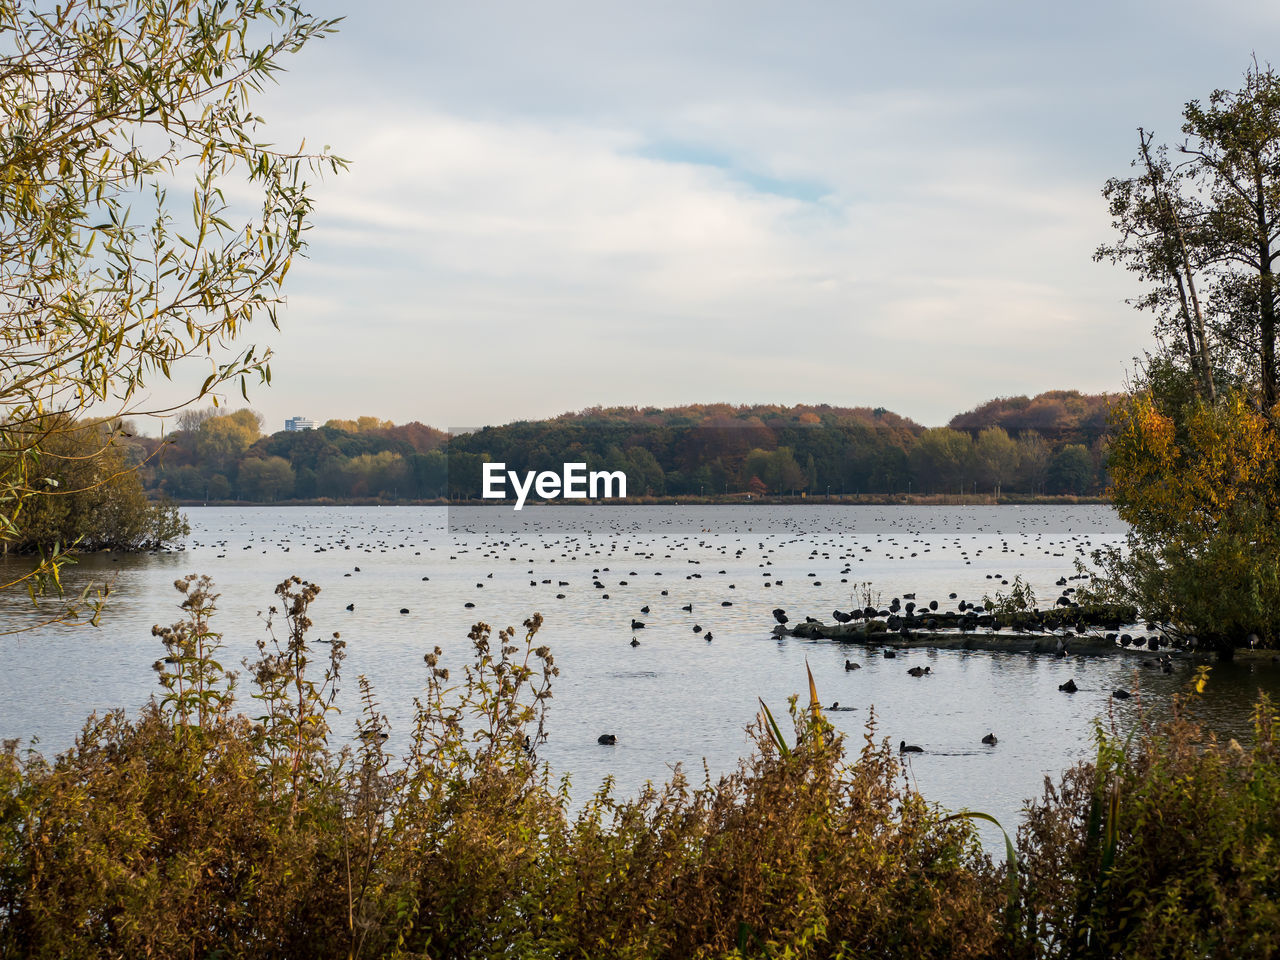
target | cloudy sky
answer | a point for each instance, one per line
(556, 205)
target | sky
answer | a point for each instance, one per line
(555, 206)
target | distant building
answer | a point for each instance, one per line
(294, 424)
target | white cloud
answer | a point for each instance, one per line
(902, 214)
(564, 250)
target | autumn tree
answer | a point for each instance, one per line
(221, 441)
(266, 480)
(995, 457)
(942, 459)
(1202, 498)
(128, 125)
(776, 469)
(360, 425)
(1034, 455)
(1193, 452)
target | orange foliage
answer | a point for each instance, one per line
(1225, 460)
(1202, 494)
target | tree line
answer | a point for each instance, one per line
(1054, 443)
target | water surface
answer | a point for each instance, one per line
(675, 698)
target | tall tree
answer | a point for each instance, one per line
(1149, 212)
(1194, 475)
(1234, 145)
(1205, 232)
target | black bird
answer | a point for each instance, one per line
(989, 739)
(608, 739)
(850, 665)
(697, 628)
(1069, 686)
(635, 642)
(904, 747)
(889, 654)
(708, 637)
(687, 608)
(1121, 694)
(351, 606)
(645, 608)
(637, 624)
(918, 671)
(781, 616)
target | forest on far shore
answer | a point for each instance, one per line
(1053, 443)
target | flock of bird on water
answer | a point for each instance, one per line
(636, 543)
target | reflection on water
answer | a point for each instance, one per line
(673, 698)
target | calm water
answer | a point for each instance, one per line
(675, 698)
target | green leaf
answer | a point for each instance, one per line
(774, 731)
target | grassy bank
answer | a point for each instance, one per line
(195, 830)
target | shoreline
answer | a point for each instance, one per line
(850, 500)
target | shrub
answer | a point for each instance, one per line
(92, 495)
(1164, 846)
(192, 830)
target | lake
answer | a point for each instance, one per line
(675, 698)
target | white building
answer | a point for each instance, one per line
(294, 424)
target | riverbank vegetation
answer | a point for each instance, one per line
(1051, 444)
(1194, 446)
(195, 830)
(93, 497)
